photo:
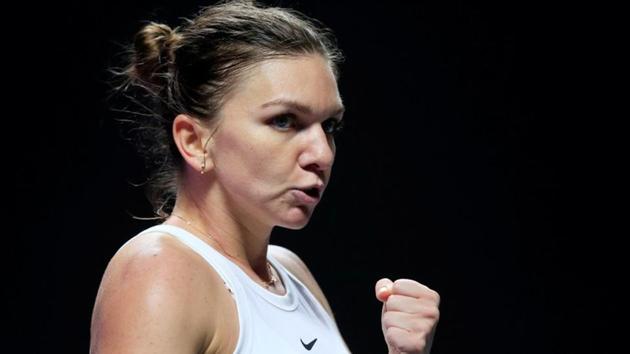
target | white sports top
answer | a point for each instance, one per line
(269, 323)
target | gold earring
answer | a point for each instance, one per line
(203, 163)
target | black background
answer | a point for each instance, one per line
(468, 163)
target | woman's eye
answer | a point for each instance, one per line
(332, 126)
(285, 121)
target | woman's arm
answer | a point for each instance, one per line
(149, 300)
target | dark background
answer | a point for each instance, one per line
(469, 162)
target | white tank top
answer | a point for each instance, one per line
(268, 323)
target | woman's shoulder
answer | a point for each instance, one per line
(150, 295)
(158, 259)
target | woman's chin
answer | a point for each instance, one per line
(297, 218)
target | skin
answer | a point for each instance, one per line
(258, 150)
(409, 315)
(254, 162)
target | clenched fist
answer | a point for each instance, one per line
(409, 317)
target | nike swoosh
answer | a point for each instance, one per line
(309, 346)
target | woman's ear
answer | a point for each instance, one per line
(192, 140)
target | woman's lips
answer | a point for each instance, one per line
(301, 196)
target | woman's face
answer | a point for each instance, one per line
(274, 149)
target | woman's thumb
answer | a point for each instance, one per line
(383, 289)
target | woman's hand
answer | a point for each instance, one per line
(410, 315)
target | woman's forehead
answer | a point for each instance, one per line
(304, 83)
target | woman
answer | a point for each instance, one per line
(246, 107)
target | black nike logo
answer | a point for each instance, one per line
(310, 345)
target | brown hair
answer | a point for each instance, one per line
(191, 69)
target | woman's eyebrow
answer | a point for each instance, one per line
(299, 106)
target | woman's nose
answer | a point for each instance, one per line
(319, 150)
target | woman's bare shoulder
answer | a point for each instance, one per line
(150, 296)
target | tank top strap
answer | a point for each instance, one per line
(223, 267)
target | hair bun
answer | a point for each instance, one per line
(153, 52)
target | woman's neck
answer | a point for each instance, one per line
(227, 229)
